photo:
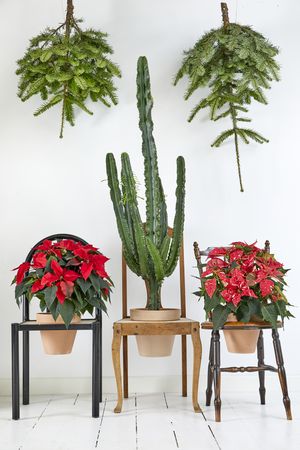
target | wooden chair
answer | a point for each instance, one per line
(214, 364)
(183, 326)
(27, 325)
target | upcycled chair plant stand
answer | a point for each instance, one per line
(183, 326)
(214, 364)
(27, 325)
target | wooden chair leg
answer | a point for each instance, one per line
(217, 374)
(197, 346)
(210, 372)
(184, 365)
(261, 362)
(116, 346)
(281, 373)
(125, 366)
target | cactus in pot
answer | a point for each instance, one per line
(150, 250)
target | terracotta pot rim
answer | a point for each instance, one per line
(161, 315)
(49, 316)
(155, 310)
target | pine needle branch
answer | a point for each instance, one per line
(236, 64)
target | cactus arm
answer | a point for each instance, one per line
(156, 259)
(127, 209)
(116, 197)
(178, 219)
(130, 228)
(132, 204)
(151, 175)
(163, 213)
(165, 248)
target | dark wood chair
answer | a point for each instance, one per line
(126, 327)
(214, 363)
(27, 325)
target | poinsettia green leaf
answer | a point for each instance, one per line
(243, 313)
(211, 303)
(49, 295)
(84, 285)
(20, 289)
(270, 314)
(67, 311)
(219, 316)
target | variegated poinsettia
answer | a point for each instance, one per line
(245, 280)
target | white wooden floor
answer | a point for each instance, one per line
(150, 422)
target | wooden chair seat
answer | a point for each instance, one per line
(182, 326)
(241, 325)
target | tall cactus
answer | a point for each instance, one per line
(149, 250)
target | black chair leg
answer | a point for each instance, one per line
(210, 372)
(281, 373)
(15, 371)
(261, 375)
(25, 367)
(100, 360)
(217, 374)
(95, 370)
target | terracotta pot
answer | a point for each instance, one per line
(240, 341)
(56, 342)
(155, 346)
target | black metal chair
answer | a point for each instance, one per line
(214, 363)
(27, 325)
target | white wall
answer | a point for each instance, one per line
(50, 185)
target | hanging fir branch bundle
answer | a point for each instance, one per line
(237, 64)
(68, 65)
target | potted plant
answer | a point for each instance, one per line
(67, 65)
(69, 279)
(243, 283)
(149, 248)
(235, 64)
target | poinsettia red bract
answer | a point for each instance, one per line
(245, 280)
(65, 276)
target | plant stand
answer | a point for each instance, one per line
(215, 369)
(94, 325)
(183, 327)
(27, 325)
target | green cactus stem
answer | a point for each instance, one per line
(148, 249)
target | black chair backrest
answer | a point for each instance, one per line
(52, 237)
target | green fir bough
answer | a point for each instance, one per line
(237, 64)
(149, 248)
(68, 65)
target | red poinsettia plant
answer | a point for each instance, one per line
(67, 277)
(245, 280)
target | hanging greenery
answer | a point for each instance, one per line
(237, 64)
(68, 65)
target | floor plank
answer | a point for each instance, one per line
(151, 422)
(13, 432)
(154, 427)
(117, 431)
(257, 426)
(66, 423)
(192, 430)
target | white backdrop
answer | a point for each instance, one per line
(50, 185)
